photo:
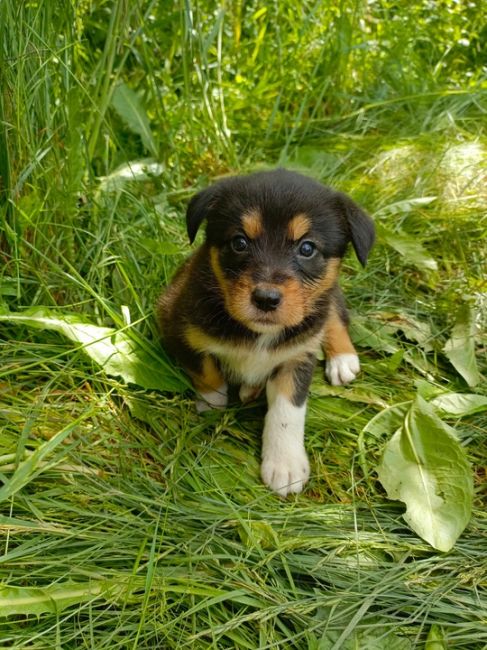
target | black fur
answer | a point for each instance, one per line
(280, 194)
(259, 232)
(302, 380)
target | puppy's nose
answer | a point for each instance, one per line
(266, 299)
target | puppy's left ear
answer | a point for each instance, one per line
(198, 209)
(361, 228)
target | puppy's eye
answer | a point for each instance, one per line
(239, 244)
(307, 249)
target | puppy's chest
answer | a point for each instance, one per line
(252, 364)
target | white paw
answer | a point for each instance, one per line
(342, 368)
(213, 399)
(285, 470)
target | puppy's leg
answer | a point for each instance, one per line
(210, 385)
(285, 465)
(249, 393)
(342, 364)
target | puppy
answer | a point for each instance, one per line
(253, 305)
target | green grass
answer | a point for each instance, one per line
(127, 520)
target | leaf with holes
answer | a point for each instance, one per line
(425, 466)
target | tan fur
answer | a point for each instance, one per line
(293, 308)
(297, 303)
(252, 224)
(217, 270)
(237, 296)
(336, 338)
(210, 377)
(325, 283)
(284, 379)
(166, 302)
(298, 227)
(198, 339)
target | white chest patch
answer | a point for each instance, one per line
(253, 364)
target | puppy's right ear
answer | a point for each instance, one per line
(198, 209)
(361, 228)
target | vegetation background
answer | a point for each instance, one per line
(127, 520)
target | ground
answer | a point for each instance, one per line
(131, 521)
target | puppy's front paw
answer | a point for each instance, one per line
(214, 399)
(285, 470)
(342, 368)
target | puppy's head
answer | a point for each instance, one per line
(275, 242)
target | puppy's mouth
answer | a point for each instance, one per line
(269, 308)
(264, 323)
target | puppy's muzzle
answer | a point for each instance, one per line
(266, 299)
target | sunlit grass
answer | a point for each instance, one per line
(161, 509)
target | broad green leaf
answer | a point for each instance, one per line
(388, 420)
(128, 105)
(405, 206)
(160, 247)
(134, 171)
(460, 404)
(375, 334)
(371, 334)
(117, 352)
(460, 347)
(412, 328)
(352, 394)
(408, 247)
(425, 466)
(426, 389)
(34, 601)
(385, 423)
(435, 639)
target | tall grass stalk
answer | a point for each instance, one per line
(130, 521)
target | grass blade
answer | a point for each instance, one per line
(34, 464)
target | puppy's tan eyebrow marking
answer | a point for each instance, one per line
(298, 227)
(252, 224)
